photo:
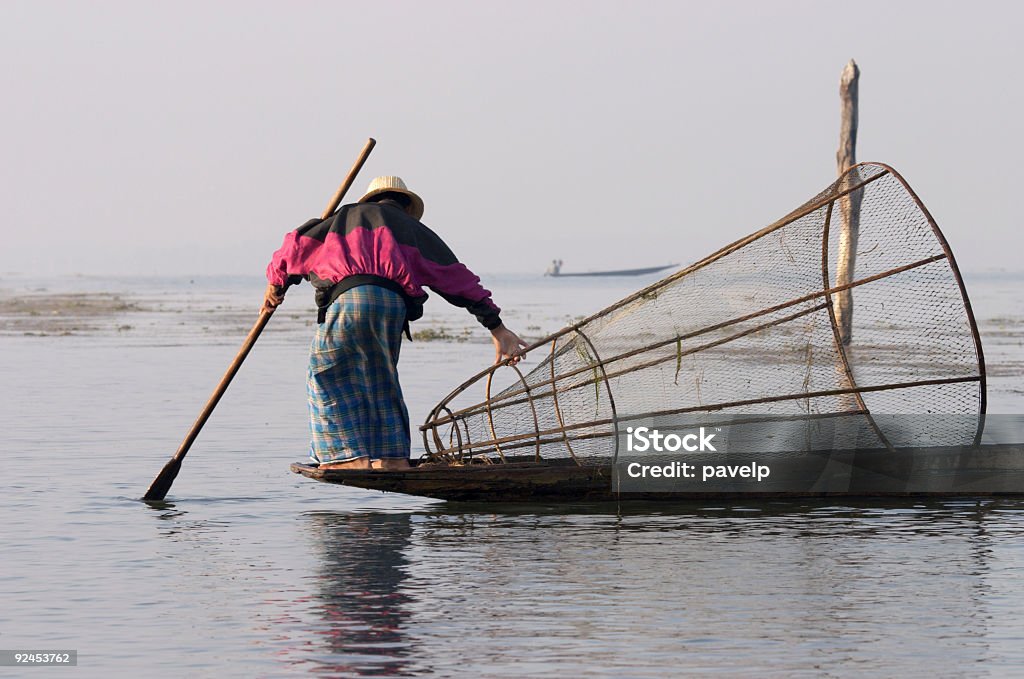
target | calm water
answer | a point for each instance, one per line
(250, 571)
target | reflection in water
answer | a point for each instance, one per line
(165, 511)
(362, 608)
(783, 588)
(658, 590)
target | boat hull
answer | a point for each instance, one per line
(952, 471)
(619, 272)
(517, 482)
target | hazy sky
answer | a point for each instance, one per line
(187, 137)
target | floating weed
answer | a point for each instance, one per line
(585, 356)
(441, 334)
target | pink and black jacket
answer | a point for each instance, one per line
(378, 244)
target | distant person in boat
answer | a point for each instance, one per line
(368, 264)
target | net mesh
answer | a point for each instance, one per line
(756, 329)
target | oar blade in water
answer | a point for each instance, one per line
(162, 483)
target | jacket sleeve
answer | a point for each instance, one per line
(485, 310)
(437, 267)
(289, 265)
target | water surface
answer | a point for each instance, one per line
(250, 571)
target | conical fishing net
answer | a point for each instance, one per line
(784, 323)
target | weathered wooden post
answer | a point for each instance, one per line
(849, 206)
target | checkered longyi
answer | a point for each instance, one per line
(356, 407)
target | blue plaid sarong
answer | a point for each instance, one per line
(356, 407)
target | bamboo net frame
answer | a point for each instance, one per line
(748, 331)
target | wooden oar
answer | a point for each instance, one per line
(162, 483)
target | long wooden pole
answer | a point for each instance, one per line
(162, 483)
(849, 206)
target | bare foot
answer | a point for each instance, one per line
(357, 463)
(391, 463)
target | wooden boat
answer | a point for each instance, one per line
(512, 482)
(985, 470)
(555, 271)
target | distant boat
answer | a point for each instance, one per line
(555, 270)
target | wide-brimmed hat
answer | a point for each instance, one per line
(389, 184)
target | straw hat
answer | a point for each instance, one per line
(394, 185)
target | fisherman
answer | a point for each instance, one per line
(368, 264)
